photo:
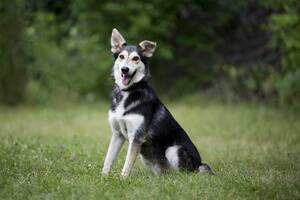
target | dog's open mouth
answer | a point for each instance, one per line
(126, 78)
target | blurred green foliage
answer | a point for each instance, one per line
(246, 48)
(12, 52)
(285, 26)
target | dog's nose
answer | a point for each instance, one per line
(125, 70)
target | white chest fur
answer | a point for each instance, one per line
(128, 124)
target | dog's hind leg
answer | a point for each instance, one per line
(133, 150)
(172, 156)
(115, 145)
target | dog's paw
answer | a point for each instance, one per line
(124, 175)
(204, 168)
(104, 172)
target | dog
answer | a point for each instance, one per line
(138, 116)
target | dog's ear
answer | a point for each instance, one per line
(147, 48)
(117, 41)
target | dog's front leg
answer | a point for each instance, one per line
(116, 142)
(133, 150)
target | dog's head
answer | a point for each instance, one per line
(130, 60)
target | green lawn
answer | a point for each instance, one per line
(57, 152)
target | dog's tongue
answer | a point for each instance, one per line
(125, 80)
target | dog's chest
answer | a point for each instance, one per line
(125, 123)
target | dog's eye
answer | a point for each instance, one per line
(121, 57)
(135, 58)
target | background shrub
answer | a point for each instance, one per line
(251, 48)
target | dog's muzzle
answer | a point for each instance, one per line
(126, 77)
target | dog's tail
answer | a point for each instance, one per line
(205, 168)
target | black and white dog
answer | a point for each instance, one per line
(137, 115)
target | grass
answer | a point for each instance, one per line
(56, 152)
